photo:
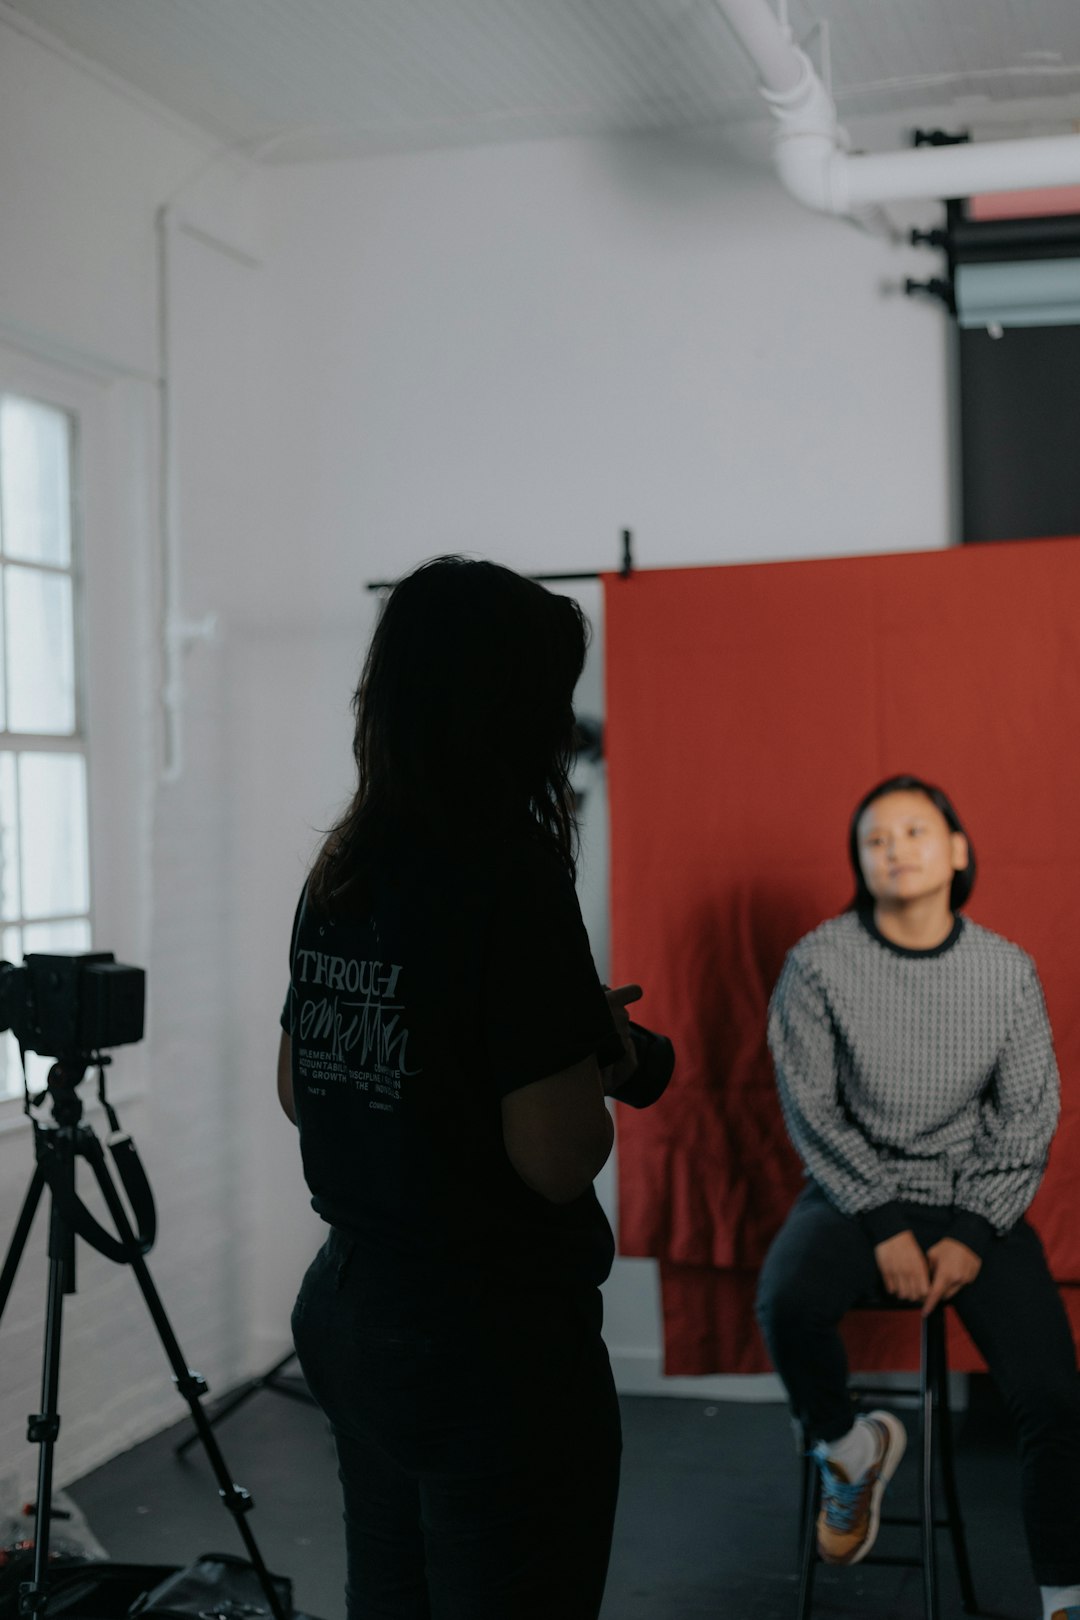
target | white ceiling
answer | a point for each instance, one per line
(296, 80)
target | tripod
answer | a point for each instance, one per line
(57, 1148)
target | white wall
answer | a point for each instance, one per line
(520, 350)
(84, 168)
(526, 348)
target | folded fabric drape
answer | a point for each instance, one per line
(748, 708)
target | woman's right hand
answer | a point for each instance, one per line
(617, 1074)
(903, 1267)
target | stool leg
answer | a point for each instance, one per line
(804, 1493)
(811, 1502)
(930, 1324)
(948, 1475)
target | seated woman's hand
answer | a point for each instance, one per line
(952, 1266)
(903, 1267)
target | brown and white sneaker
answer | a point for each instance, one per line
(847, 1525)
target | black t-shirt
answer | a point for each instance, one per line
(456, 981)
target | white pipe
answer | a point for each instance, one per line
(169, 583)
(768, 45)
(964, 171)
(178, 633)
(811, 152)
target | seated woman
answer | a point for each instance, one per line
(917, 1076)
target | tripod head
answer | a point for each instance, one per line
(60, 1087)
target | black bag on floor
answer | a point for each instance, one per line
(79, 1588)
(217, 1586)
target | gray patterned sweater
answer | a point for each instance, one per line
(922, 1077)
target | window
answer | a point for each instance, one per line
(44, 838)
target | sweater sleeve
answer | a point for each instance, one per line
(1017, 1118)
(834, 1150)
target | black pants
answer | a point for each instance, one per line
(822, 1264)
(478, 1443)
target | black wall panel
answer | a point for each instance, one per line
(1020, 432)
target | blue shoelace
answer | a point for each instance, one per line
(839, 1499)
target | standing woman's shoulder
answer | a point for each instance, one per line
(522, 853)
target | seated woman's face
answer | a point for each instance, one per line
(907, 849)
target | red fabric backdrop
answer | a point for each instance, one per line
(748, 708)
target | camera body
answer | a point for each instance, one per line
(72, 1003)
(655, 1066)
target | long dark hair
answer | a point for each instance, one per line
(464, 719)
(962, 883)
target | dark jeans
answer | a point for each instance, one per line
(478, 1442)
(822, 1264)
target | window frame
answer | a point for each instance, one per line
(114, 580)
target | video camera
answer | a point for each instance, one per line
(72, 1004)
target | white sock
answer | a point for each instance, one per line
(856, 1450)
(1058, 1597)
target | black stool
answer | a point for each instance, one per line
(935, 1443)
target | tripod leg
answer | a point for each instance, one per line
(44, 1426)
(20, 1235)
(190, 1384)
(237, 1398)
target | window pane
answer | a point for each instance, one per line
(37, 1073)
(40, 651)
(10, 1072)
(52, 799)
(70, 935)
(35, 462)
(3, 694)
(9, 840)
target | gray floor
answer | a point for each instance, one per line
(705, 1530)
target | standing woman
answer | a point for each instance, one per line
(917, 1076)
(446, 1050)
